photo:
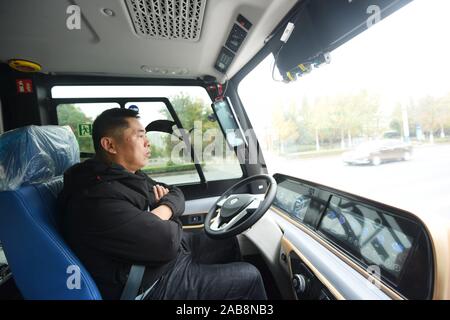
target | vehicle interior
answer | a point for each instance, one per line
(180, 63)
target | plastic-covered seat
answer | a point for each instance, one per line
(32, 161)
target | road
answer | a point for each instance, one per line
(421, 185)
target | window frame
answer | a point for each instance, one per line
(122, 102)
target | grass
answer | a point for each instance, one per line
(313, 154)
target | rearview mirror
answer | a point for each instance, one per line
(228, 123)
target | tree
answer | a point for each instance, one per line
(355, 115)
(71, 115)
(315, 120)
(191, 110)
(427, 114)
(193, 114)
(443, 110)
(157, 152)
(286, 124)
(396, 119)
(342, 117)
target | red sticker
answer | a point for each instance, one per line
(24, 86)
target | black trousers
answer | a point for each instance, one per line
(208, 269)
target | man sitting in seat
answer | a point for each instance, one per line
(115, 216)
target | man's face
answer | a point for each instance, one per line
(132, 147)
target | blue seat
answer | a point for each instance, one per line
(32, 161)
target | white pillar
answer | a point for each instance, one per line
(405, 122)
(317, 140)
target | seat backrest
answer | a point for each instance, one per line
(43, 266)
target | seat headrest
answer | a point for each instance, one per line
(35, 154)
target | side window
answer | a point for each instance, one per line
(165, 163)
(192, 106)
(162, 167)
(80, 116)
(218, 161)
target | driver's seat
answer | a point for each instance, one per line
(32, 160)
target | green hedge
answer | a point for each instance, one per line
(169, 168)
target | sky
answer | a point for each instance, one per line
(406, 55)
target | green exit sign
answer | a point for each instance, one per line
(85, 130)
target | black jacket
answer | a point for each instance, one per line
(105, 219)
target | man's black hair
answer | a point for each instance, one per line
(110, 123)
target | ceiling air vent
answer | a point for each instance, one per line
(167, 19)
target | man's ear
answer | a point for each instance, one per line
(108, 144)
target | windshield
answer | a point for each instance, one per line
(392, 81)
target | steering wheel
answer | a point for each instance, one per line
(238, 212)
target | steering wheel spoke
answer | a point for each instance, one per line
(258, 199)
(234, 212)
(216, 222)
(221, 202)
(219, 225)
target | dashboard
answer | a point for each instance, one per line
(376, 237)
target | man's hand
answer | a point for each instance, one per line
(159, 192)
(163, 212)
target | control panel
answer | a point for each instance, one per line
(234, 41)
(305, 283)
